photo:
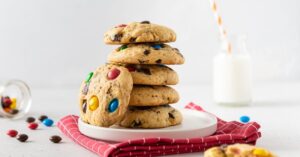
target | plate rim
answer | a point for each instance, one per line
(154, 130)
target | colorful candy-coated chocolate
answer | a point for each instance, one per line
(93, 103)
(123, 47)
(89, 77)
(42, 118)
(157, 46)
(113, 74)
(130, 68)
(22, 138)
(13, 104)
(261, 152)
(32, 126)
(113, 105)
(6, 101)
(12, 133)
(48, 122)
(55, 139)
(245, 119)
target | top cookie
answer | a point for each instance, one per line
(139, 32)
(104, 95)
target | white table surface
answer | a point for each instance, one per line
(276, 107)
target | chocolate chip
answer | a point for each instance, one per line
(117, 37)
(145, 22)
(171, 115)
(84, 104)
(42, 118)
(146, 52)
(136, 123)
(85, 89)
(22, 138)
(30, 119)
(132, 39)
(158, 61)
(55, 139)
(144, 70)
(14, 111)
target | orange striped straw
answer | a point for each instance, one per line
(220, 25)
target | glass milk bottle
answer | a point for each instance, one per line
(232, 74)
(15, 99)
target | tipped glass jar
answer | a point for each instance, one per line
(15, 99)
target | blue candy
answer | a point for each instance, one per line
(48, 122)
(245, 119)
(156, 46)
(113, 105)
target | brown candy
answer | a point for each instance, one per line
(22, 138)
(30, 119)
(55, 139)
(42, 118)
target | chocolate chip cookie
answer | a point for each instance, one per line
(142, 95)
(152, 74)
(104, 95)
(151, 117)
(139, 32)
(146, 54)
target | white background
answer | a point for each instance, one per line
(55, 43)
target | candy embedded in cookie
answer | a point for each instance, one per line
(107, 97)
(146, 53)
(139, 32)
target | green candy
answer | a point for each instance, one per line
(88, 78)
(123, 47)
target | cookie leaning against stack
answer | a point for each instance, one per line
(144, 53)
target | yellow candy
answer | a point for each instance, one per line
(93, 103)
(261, 152)
(13, 103)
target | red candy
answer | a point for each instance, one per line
(7, 101)
(114, 73)
(32, 126)
(130, 68)
(12, 133)
(121, 25)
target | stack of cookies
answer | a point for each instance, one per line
(132, 90)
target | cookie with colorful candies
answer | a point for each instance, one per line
(104, 95)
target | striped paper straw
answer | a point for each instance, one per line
(219, 20)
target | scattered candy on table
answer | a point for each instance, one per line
(22, 138)
(48, 122)
(33, 126)
(12, 133)
(30, 119)
(42, 118)
(245, 119)
(55, 139)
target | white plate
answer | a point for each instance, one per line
(195, 124)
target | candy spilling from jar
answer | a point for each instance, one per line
(9, 105)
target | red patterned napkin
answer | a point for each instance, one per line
(227, 133)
